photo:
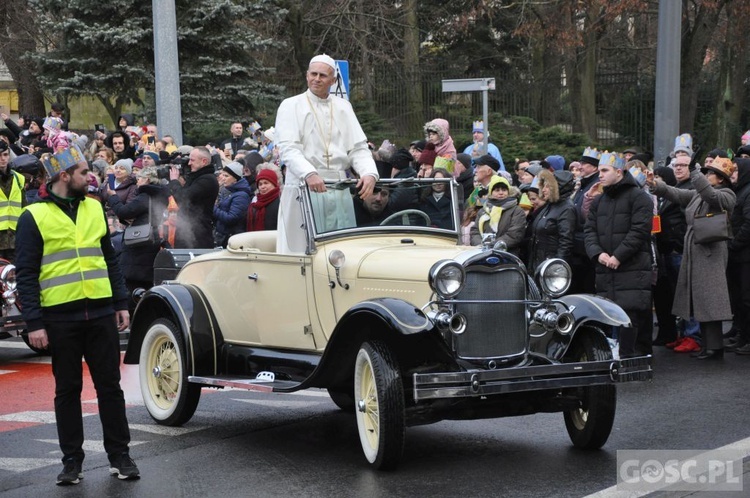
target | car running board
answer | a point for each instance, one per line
(264, 382)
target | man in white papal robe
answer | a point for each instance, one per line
(318, 137)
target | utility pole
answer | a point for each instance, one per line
(667, 94)
(167, 70)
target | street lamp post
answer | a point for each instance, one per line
(167, 70)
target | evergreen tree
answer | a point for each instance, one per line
(105, 49)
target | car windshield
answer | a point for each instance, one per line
(395, 205)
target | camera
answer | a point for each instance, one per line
(175, 159)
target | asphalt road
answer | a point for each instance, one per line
(250, 444)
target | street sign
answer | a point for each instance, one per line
(340, 87)
(469, 85)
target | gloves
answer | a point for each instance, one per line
(694, 159)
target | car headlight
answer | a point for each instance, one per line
(553, 276)
(447, 278)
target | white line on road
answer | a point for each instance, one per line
(93, 446)
(164, 430)
(24, 464)
(33, 417)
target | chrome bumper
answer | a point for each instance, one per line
(511, 380)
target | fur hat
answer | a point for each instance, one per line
(487, 160)
(269, 175)
(234, 169)
(152, 173)
(721, 166)
(126, 164)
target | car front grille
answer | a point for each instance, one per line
(493, 329)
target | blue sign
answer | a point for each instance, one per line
(340, 87)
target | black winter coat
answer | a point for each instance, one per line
(739, 246)
(552, 232)
(440, 212)
(195, 200)
(137, 263)
(619, 224)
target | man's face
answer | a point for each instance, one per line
(709, 160)
(197, 161)
(415, 153)
(4, 159)
(118, 144)
(78, 183)
(609, 175)
(147, 161)
(34, 128)
(376, 203)
(236, 130)
(680, 165)
(478, 136)
(587, 169)
(482, 174)
(627, 156)
(320, 77)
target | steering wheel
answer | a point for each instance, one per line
(405, 220)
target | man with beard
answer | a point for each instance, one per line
(74, 302)
(12, 201)
(119, 141)
(618, 237)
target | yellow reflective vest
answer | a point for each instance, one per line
(11, 207)
(73, 265)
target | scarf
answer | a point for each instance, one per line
(256, 216)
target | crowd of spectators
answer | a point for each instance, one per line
(623, 225)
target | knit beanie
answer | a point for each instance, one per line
(234, 169)
(428, 155)
(268, 175)
(126, 164)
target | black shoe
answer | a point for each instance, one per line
(71, 473)
(743, 350)
(698, 354)
(730, 333)
(123, 467)
(711, 354)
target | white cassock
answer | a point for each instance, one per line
(315, 135)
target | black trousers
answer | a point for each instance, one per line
(738, 282)
(636, 340)
(98, 342)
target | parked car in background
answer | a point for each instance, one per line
(398, 322)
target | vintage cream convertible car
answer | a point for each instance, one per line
(401, 324)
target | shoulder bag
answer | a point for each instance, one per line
(140, 235)
(712, 227)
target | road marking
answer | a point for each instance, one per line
(33, 417)
(743, 445)
(163, 430)
(95, 446)
(24, 464)
(7, 371)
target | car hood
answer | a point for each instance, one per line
(406, 262)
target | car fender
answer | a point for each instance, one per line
(188, 309)
(587, 309)
(403, 326)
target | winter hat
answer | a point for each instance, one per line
(487, 160)
(418, 144)
(717, 153)
(252, 160)
(683, 143)
(39, 122)
(525, 203)
(126, 164)
(644, 157)
(152, 173)
(270, 133)
(100, 165)
(667, 174)
(632, 150)
(185, 149)
(428, 155)
(401, 159)
(268, 175)
(557, 163)
(152, 155)
(746, 138)
(721, 166)
(234, 169)
(464, 159)
(534, 169)
(496, 182)
(744, 150)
